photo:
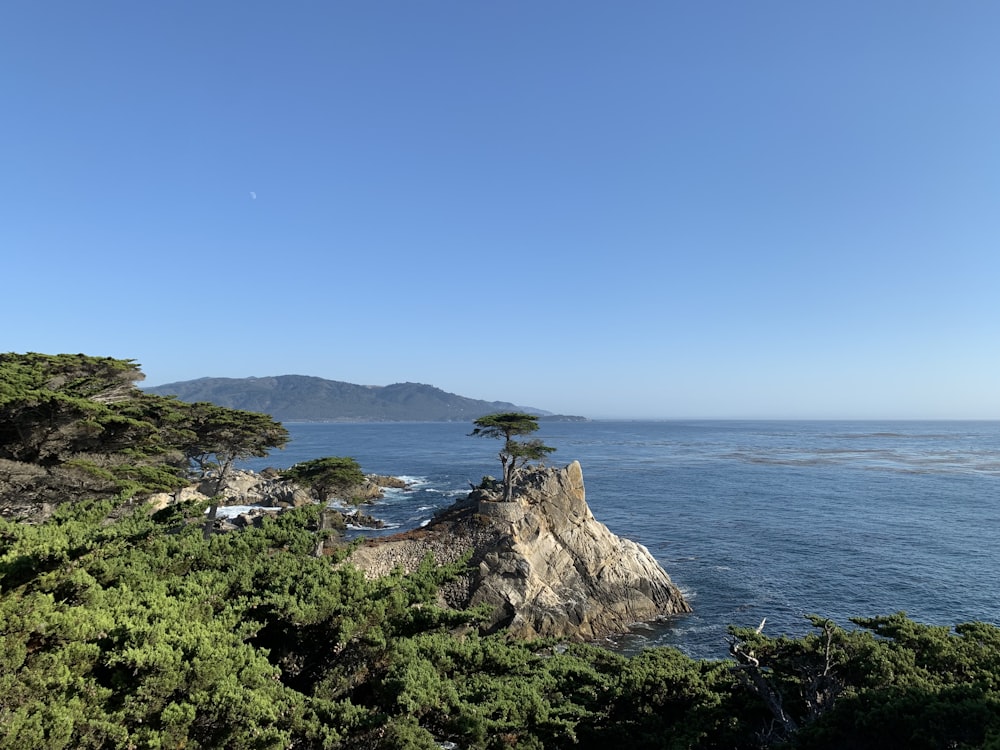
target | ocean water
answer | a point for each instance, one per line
(752, 520)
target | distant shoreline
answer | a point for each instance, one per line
(369, 420)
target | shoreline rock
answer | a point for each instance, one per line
(269, 492)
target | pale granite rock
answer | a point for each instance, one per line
(542, 563)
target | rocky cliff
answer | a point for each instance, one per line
(542, 563)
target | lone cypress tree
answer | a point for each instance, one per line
(514, 454)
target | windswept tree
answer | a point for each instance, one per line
(218, 436)
(333, 475)
(514, 454)
(74, 427)
(57, 406)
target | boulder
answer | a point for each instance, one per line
(363, 520)
(248, 488)
(542, 563)
(161, 500)
(381, 480)
(371, 489)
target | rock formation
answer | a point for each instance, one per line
(269, 491)
(542, 563)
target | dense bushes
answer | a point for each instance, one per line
(142, 633)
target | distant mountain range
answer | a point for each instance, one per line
(291, 398)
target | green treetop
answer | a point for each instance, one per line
(74, 426)
(218, 436)
(333, 475)
(514, 454)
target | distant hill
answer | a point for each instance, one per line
(290, 398)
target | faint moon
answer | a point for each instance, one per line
(253, 195)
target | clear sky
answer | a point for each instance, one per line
(775, 209)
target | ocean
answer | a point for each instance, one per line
(752, 520)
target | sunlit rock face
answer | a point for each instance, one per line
(542, 563)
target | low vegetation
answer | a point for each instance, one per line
(122, 629)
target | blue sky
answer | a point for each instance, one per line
(640, 209)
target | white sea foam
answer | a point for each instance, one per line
(355, 527)
(231, 511)
(395, 492)
(449, 493)
(413, 480)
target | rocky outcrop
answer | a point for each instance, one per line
(240, 488)
(373, 488)
(542, 563)
(249, 488)
(267, 491)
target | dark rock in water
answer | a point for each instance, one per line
(330, 519)
(543, 563)
(371, 489)
(363, 520)
(381, 480)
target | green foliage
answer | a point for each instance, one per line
(133, 633)
(333, 475)
(215, 436)
(140, 632)
(890, 683)
(54, 404)
(514, 454)
(74, 427)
